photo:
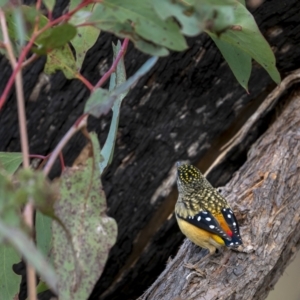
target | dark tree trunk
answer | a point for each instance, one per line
(186, 108)
(264, 193)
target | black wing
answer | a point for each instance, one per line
(234, 226)
(206, 221)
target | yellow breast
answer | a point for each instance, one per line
(200, 237)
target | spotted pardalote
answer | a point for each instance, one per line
(203, 214)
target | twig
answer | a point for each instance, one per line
(28, 61)
(62, 162)
(56, 152)
(85, 81)
(29, 209)
(114, 65)
(37, 18)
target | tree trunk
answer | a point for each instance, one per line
(186, 108)
(264, 194)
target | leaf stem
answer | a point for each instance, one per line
(58, 149)
(85, 81)
(28, 61)
(29, 209)
(114, 65)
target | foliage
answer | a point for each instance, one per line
(81, 207)
(73, 232)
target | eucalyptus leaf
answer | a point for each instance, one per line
(61, 59)
(55, 37)
(246, 37)
(117, 78)
(10, 161)
(43, 233)
(195, 16)
(49, 4)
(84, 39)
(144, 23)
(82, 209)
(3, 2)
(27, 249)
(86, 35)
(101, 101)
(29, 15)
(238, 61)
(242, 2)
(20, 27)
(9, 280)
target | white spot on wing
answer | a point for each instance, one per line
(212, 226)
(208, 219)
(199, 218)
(229, 216)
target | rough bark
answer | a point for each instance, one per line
(186, 108)
(264, 193)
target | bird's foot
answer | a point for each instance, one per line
(196, 270)
(244, 249)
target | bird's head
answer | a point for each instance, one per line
(189, 178)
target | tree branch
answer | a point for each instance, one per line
(264, 194)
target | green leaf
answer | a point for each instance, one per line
(41, 287)
(125, 30)
(26, 248)
(246, 36)
(9, 280)
(141, 18)
(101, 101)
(55, 37)
(116, 79)
(98, 101)
(195, 16)
(43, 233)
(49, 4)
(30, 15)
(73, 4)
(238, 61)
(242, 2)
(61, 59)
(85, 38)
(82, 209)
(190, 23)
(34, 185)
(20, 27)
(3, 2)
(86, 35)
(10, 161)
(10, 204)
(14, 193)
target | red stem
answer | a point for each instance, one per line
(62, 162)
(27, 48)
(114, 65)
(43, 157)
(85, 81)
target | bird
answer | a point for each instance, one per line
(203, 214)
